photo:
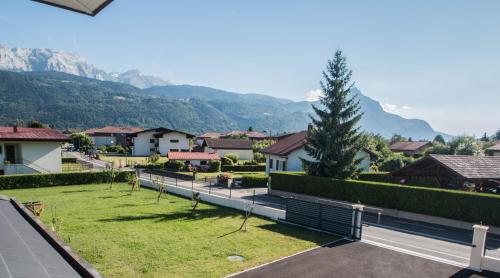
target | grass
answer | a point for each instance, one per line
(73, 167)
(125, 235)
(129, 159)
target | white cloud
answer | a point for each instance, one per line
(314, 95)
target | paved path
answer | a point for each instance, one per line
(357, 259)
(24, 252)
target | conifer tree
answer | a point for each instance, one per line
(333, 137)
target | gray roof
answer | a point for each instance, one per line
(88, 7)
(495, 147)
(471, 167)
(409, 145)
(234, 144)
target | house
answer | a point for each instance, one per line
(30, 150)
(241, 147)
(287, 154)
(251, 135)
(160, 140)
(410, 148)
(494, 150)
(193, 158)
(453, 171)
(112, 135)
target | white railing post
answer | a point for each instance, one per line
(478, 245)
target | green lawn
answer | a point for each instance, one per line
(125, 235)
(129, 160)
(73, 167)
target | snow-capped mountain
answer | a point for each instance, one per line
(27, 59)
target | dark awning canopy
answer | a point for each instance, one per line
(88, 7)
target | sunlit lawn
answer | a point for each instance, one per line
(129, 160)
(125, 235)
(73, 167)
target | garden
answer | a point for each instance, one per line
(126, 234)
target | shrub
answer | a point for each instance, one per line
(45, 180)
(394, 162)
(387, 178)
(233, 156)
(259, 180)
(244, 168)
(226, 161)
(174, 165)
(68, 160)
(454, 204)
(153, 158)
(214, 166)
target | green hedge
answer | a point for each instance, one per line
(453, 204)
(259, 180)
(69, 160)
(45, 180)
(387, 178)
(243, 168)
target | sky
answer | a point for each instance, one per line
(434, 60)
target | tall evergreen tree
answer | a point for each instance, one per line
(333, 137)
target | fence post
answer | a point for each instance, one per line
(253, 198)
(478, 244)
(175, 180)
(209, 187)
(230, 191)
(357, 214)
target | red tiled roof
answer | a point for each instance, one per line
(192, 156)
(32, 134)
(408, 145)
(235, 144)
(113, 129)
(287, 145)
(210, 135)
(249, 134)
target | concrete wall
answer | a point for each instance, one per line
(222, 201)
(142, 144)
(46, 155)
(166, 145)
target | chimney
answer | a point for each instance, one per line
(15, 128)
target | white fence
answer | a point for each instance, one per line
(238, 204)
(478, 260)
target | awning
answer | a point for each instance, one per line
(88, 7)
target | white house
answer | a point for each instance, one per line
(193, 158)
(30, 150)
(112, 135)
(287, 154)
(241, 147)
(160, 140)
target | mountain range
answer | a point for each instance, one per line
(66, 91)
(38, 59)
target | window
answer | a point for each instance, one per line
(283, 166)
(185, 150)
(277, 164)
(0, 149)
(174, 150)
(270, 164)
(152, 149)
(151, 140)
(174, 140)
(203, 162)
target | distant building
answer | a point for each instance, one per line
(288, 152)
(251, 135)
(112, 135)
(30, 150)
(193, 158)
(453, 171)
(410, 148)
(494, 150)
(241, 147)
(160, 140)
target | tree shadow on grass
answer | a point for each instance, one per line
(78, 191)
(181, 215)
(299, 233)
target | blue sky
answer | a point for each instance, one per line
(435, 60)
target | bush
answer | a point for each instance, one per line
(174, 165)
(152, 159)
(45, 180)
(243, 168)
(453, 204)
(214, 166)
(259, 180)
(68, 160)
(233, 156)
(226, 161)
(394, 162)
(387, 178)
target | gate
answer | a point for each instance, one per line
(344, 221)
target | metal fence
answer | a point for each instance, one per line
(336, 219)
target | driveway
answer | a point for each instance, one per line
(358, 259)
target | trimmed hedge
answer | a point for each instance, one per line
(243, 168)
(254, 180)
(46, 180)
(387, 178)
(68, 160)
(453, 204)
